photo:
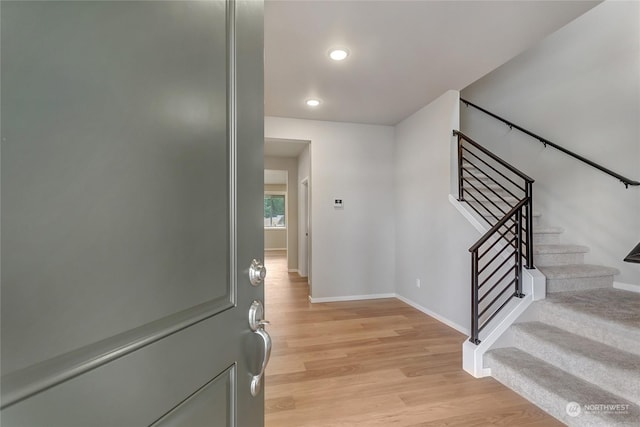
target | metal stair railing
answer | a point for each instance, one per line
(503, 196)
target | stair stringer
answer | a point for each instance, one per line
(495, 334)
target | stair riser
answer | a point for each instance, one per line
(484, 194)
(546, 238)
(623, 383)
(588, 327)
(578, 283)
(547, 260)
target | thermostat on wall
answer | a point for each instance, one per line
(338, 204)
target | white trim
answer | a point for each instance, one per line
(286, 206)
(275, 249)
(472, 355)
(482, 228)
(436, 316)
(293, 270)
(627, 286)
(351, 298)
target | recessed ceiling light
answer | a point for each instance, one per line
(312, 102)
(338, 54)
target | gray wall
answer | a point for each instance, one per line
(432, 237)
(580, 88)
(353, 247)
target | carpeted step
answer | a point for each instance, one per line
(563, 278)
(555, 390)
(545, 255)
(610, 316)
(613, 370)
(545, 234)
(499, 207)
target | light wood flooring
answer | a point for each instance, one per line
(373, 363)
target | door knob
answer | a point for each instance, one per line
(257, 324)
(256, 380)
(256, 316)
(257, 272)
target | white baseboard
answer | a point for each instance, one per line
(274, 249)
(436, 316)
(294, 270)
(413, 304)
(627, 286)
(351, 298)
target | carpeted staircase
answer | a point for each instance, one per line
(579, 360)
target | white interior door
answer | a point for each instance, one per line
(131, 178)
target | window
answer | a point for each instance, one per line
(274, 211)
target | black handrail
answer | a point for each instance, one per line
(626, 181)
(499, 224)
(493, 156)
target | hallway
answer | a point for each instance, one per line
(373, 363)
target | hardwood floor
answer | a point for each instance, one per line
(373, 363)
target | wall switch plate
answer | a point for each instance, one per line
(338, 203)
(417, 283)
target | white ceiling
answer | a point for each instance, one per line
(275, 147)
(275, 176)
(404, 54)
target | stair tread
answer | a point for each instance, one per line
(552, 388)
(573, 271)
(477, 177)
(553, 248)
(617, 308)
(585, 347)
(501, 204)
(477, 182)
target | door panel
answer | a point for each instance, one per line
(131, 160)
(137, 389)
(205, 405)
(130, 150)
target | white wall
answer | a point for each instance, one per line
(275, 239)
(352, 248)
(580, 88)
(290, 165)
(432, 238)
(304, 236)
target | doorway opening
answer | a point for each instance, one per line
(287, 216)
